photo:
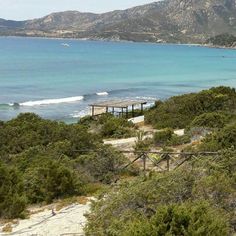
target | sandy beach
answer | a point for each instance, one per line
(70, 220)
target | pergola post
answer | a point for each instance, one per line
(142, 108)
(122, 105)
(132, 110)
(92, 110)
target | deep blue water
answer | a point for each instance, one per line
(35, 70)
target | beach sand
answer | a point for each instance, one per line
(70, 220)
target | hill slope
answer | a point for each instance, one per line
(185, 21)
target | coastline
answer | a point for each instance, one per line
(120, 41)
(152, 81)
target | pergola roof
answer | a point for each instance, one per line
(119, 103)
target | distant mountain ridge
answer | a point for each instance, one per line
(184, 21)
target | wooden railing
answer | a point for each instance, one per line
(158, 160)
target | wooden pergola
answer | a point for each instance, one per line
(122, 105)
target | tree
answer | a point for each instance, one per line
(12, 196)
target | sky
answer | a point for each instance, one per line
(30, 9)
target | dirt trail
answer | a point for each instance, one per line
(128, 143)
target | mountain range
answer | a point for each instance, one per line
(177, 21)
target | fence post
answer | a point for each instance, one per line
(143, 156)
(168, 161)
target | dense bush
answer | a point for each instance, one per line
(162, 137)
(103, 165)
(12, 196)
(192, 218)
(42, 160)
(210, 120)
(227, 40)
(46, 177)
(46, 160)
(224, 138)
(29, 130)
(178, 140)
(109, 126)
(180, 111)
(167, 137)
(196, 199)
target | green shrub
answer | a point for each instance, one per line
(142, 143)
(86, 121)
(210, 120)
(43, 162)
(115, 127)
(180, 111)
(196, 199)
(162, 137)
(12, 196)
(178, 140)
(47, 174)
(193, 218)
(227, 40)
(222, 139)
(28, 130)
(109, 126)
(103, 165)
(50, 181)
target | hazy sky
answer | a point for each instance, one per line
(28, 9)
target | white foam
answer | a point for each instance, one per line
(80, 114)
(52, 101)
(147, 98)
(102, 94)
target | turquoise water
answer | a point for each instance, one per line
(35, 73)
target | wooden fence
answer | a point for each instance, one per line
(158, 160)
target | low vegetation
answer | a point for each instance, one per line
(225, 40)
(195, 199)
(180, 111)
(42, 160)
(223, 138)
(167, 137)
(211, 120)
(109, 126)
(187, 201)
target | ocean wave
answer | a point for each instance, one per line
(51, 101)
(124, 90)
(55, 101)
(80, 114)
(102, 93)
(6, 105)
(147, 98)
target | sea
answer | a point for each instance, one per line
(59, 78)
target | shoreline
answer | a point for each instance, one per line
(121, 41)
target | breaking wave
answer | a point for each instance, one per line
(46, 102)
(52, 101)
(102, 93)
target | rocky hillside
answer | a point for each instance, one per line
(223, 40)
(185, 21)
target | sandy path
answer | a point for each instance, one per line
(125, 143)
(68, 221)
(130, 142)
